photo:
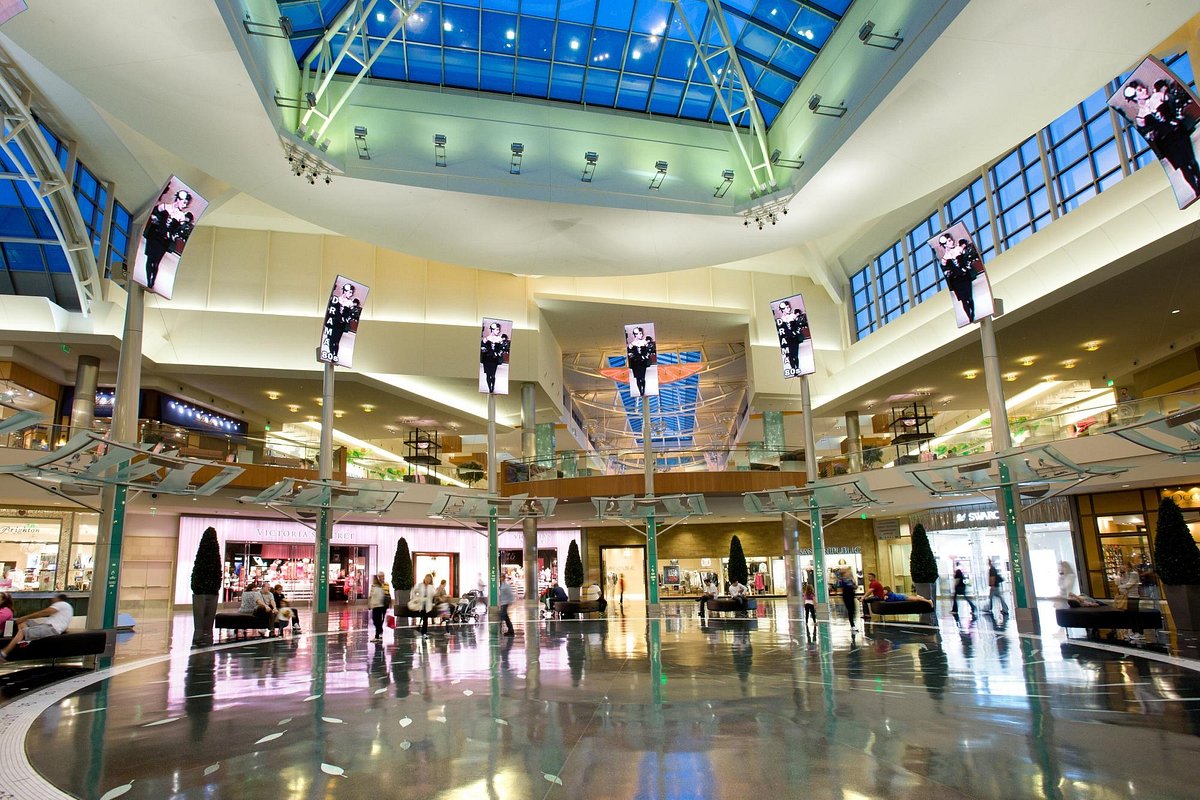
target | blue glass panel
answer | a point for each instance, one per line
(751, 70)
(698, 101)
(774, 86)
(15, 222)
(499, 32)
(769, 113)
(677, 60)
(1106, 159)
(696, 14)
(582, 11)
(390, 64)
(745, 6)
(349, 66)
(1095, 103)
(304, 16)
(793, 59)
(1062, 127)
(500, 5)
(23, 257)
(539, 8)
(600, 88)
(650, 16)
(608, 48)
(758, 42)
(642, 57)
(615, 13)
(460, 27)
(300, 47)
(496, 73)
(812, 27)
(778, 13)
(1035, 178)
(572, 43)
(8, 193)
(567, 83)
(462, 68)
(533, 77)
(1070, 151)
(634, 92)
(666, 97)
(1007, 168)
(41, 224)
(56, 260)
(836, 6)
(1029, 150)
(535, 39)
(425, 64)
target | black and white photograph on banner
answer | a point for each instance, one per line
(795, 340)
(1164, 111)
(962, 267)
(345, 309)
(10, 8)
(641, 355)
(171, 222)
(495, 344)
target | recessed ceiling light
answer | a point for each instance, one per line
(1011, 376)
(293, 408)
(367, 407)
(1071, 363)
(1026, 361)
(1092, 346)
(971, 374)
(337, 412)
(1175, 311)
(1049, 377)
(273, 395)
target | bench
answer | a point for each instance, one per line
(236, 621)
(80, 644)
(564, 607)
(883, 608)
(1094, 618)
(719, 604)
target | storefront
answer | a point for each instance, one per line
(1119, 527)
(512, 569)
(282, 551)
(42, 550)
(968, 537)
(837, 561)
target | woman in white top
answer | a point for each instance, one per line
(424, 593)
(377, 602)
(1131, 588)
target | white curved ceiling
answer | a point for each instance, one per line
(950, 100)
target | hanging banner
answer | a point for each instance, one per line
(10, 8)
(341, 322)
(641, 354)
(495, 344)
(795, 340)
(962, 267)
(172, 221)
(1164, 111)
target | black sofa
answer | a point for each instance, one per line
(1094, 618)
(881, 608)
(719, 604)
(238, 622)
(79, 644)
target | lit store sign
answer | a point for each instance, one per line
(977, 516)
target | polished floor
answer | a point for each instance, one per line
(616, 708)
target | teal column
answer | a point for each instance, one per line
(818, 548)
(112, 572)
(651, 561)
(1013, 533)
(321, 579)
(493, 560)
(657, 679)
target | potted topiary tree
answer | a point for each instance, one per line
(922, 566)
(206, 587)
(1177, 562)
(573, 574)
(402, 577)
(738, 571)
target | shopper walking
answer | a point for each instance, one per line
(378, 600)
(960, 590)
(422, 598)
(847, 585)
(994, 593)
(505, 599)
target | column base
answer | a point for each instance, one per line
(654, 611)
(320, 622)
(1028, 621)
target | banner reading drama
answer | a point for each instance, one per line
(1165, 112)
(495, 344)
(641, 355)
(795, 341)
(171, 222)
(341, 321)
(962, 267)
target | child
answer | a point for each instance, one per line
(810, 605)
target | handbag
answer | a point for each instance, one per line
(1120, 602)
(414, 603)
(387, 601)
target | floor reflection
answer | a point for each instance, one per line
(622, 707)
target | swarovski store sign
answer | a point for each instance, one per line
(968, 537)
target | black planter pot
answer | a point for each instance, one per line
(204, 614)
(1184, 602)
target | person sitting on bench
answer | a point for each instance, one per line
(737, 593)
(50, 621)
(592, 594)
(257, 603)
(553, 596)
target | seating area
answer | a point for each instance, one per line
(722, 605)
(240, 623)
(571, 607)
(883, 608)
(1105, 617)
(78, 644)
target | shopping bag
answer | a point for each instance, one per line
(391, 620)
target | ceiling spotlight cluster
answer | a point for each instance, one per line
(306, 165)
(766, 213)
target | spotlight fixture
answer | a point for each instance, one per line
(726, 182)
(514, 165)
(769, 210)
(439, 149)
(324, 146)
(311, 99)
(589, 166)
(867, 35)
(280, 30)
(360, 142)
(817, 107)
(789, 163)
(659, 175)
(306, 165)
(302, 131)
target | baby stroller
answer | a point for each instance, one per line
(467, 610)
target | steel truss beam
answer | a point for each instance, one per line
(321, 64)
(26, 148)
(732, 79)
